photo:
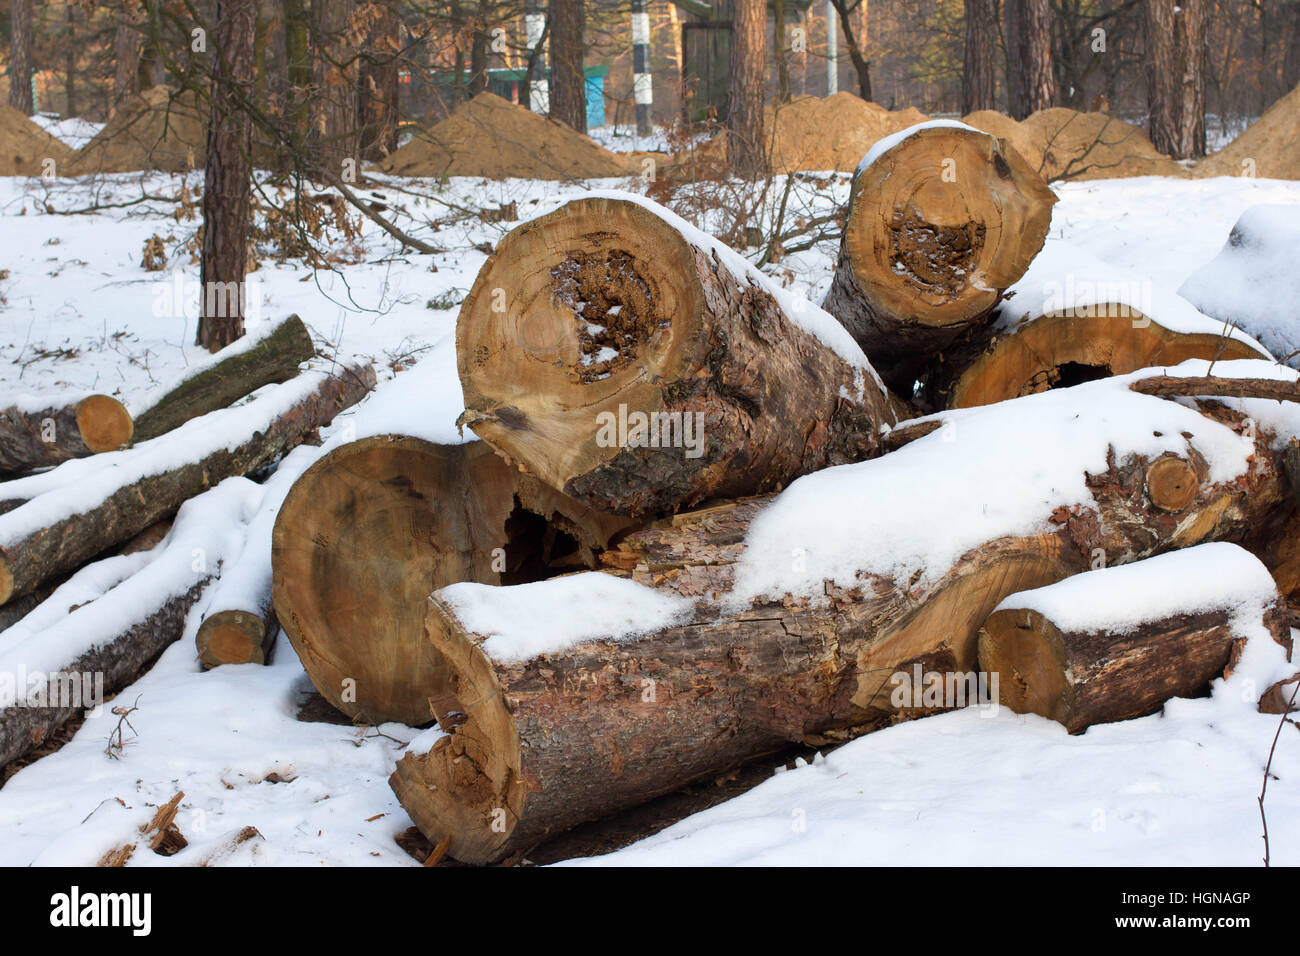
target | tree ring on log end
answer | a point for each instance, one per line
(104, 424)
(933, 236)
(6, 580)
(1027, 653)
(1172, 483)
(233, 637)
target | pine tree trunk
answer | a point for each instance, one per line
(1029, 48)
(979, 77)
(126, 49)
(334, 133)
(747, 142)
(297, 57)
(1175, 61)
(21, 26)
(568, 83)
(227, 178)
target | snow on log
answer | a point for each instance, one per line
(374, 526)
(743, 627)
(619, 355)
(34, 434)
(56, 663)
(98, 503)
(941, 220)
(1117, 643)
(268, 357)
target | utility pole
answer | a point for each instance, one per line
(832, 53)
(539, 93)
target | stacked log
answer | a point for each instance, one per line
(39, 438)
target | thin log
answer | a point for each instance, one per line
(39, 439)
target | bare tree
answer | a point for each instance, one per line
(20, 56)
(855, 40)
(227, 177)
(1176, 68)
(568, 83)
(1029, 54)
(979, 70)
(745, 100)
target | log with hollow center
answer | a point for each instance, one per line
(373, 527)
(38, 439)
(538, 745)
(936, 229)
(625, 364)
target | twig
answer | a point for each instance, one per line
(1268, 765)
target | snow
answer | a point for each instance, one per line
(882, 146)
(526, 620)
(1253, 281)
(1118, 600)
(72, 130)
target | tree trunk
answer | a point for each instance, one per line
(937, 228)
(34, 549)
(21, 27)
(855, 43)
(640, 372)
(374, 527)
(1053, 660)
(1291, 62)
(1064, 348)
(1029, 45)
(335, 109)
(979, 76)
(126, 49)
(272, 358)
(38, 439)
(747, 141)
(540, 744)
(1176, 65)
(379, 86)
(568, 24)
(226, 178)
(297, 58)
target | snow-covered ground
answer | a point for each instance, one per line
(78, 312)
(74, 131)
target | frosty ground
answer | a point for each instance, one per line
(80, 313)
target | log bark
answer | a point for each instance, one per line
(617, 360)
(1059, 349)
(370, 530)
(936, 229)
(979, 72)
(539, 745)
(746, 142)
(30, 440)
(28, 557)
(274, 358)
(1080, 676)
(567, 22)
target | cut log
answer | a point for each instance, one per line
(370, 530)
(539, 742)
(38, 439)
(51, 672)
(640, 369)
(938, 226)
(237, 370)
(70, 524)
(1060, 349)
(1117, 643)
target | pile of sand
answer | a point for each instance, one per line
(1063, 143)
(24, 146)
(491, 137)
(156, 129)
(1272, 141)
(835, 132)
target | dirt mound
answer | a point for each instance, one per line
(1063, 143)
(156, 129)
(24, 146)
(835, 132)
(489, 136)
(1272, 141)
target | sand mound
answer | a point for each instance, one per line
(489, 136)
(1272, 141)
(835, 132)
(1065, 144)
(24, 146)
(156, 129)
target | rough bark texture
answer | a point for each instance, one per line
(936, 229)
(20, 56)
(610, 313)
(69, 542)
(275, 358)
(375, 526)
(746, 141)
(227, 169)
(1061, 349)
(568, 84)
(1081, 678)
(979, 75)
(1031, 40)
(1175, 59)
(378, 97)
(126, 49)
(541, 745)
(334, 119)
(31, 440)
